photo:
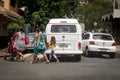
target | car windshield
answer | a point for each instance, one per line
(102, 37)
(63, 29)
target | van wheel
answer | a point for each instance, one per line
(78, 57)
(112, 55)
(87, 52)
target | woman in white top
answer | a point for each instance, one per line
(20, 42)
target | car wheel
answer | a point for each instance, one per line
(78, 57)
(112, 55)
(87, 52)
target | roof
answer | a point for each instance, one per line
(10, 14)
(62, 20)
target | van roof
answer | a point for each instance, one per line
(62, 20)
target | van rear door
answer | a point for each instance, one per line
(67, 37)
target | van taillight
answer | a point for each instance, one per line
(79, 45)
(92, 42)
(114, 44)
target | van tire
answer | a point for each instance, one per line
(78, 57)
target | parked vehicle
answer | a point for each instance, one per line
(31, 37)
(68, 34)
(98, 43)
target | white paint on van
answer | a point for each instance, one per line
(68, 34)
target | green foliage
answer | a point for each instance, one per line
(12, 26)
(21, 21)
(42, 10)
(26, 25)
(93, 13)
(36, 16)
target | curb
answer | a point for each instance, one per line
(118, 49)
(2, 54)
(118, 52)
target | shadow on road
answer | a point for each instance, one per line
(103, 56)
(65, 59)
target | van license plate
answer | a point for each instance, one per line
(63, 45)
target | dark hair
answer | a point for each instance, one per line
(53, 40)
(21, 29)
(37, 29)
(42, 29)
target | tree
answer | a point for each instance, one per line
(12, 27)
(47, 9)
(93, 13)
(21, 22)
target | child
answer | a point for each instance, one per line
(52, 47)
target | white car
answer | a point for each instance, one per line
(31, 37)
(98, 43)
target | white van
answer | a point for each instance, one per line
(68, 34)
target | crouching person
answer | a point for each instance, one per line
(20, 43)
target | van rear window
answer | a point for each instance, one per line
(63, 29)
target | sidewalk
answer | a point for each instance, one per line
(118, 49)
(29, 56)
(3, 52)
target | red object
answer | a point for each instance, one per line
(92, 43)
(11, 49)
(114, 44)
(47, 45)
(26, 40)
(63, 22)
(79, 45)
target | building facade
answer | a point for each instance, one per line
(114, 17)
(8, 13)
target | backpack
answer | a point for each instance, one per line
(26, 40)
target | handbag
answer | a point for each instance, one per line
(11, 48)
(47, 45)
(26, 40)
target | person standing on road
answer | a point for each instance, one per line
(52, 47)
(42, 45)
(20, 42)
(36, 42)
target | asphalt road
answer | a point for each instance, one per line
(89, 68)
